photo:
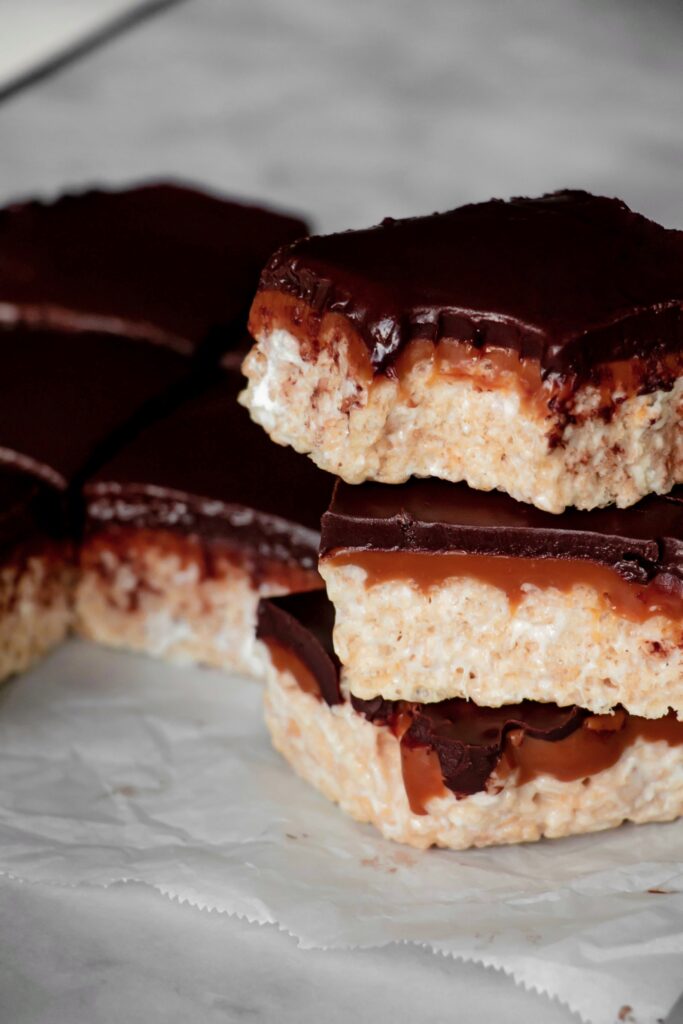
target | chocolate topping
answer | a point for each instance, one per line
(570, 279)
(66, 399)
(303, 624)
(640, 542)
(468, 739)
(162, 262)
(28, 510)
(205, 468)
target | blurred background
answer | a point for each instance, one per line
(347, 110)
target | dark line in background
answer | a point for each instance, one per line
(94, 40)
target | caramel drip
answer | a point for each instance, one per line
(489, 367)
(314, 332)
(422, 777)
(426, 570)
(284, 660)
(595, 746)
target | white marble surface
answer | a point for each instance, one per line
(36, 32)
(349, 111)
(355, 110)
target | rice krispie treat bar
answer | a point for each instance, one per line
(189, 525)
(37, 572)
(159, 261)
(454, 774)
(441, 591)
(532, 346)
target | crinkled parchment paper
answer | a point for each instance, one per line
(114, 768)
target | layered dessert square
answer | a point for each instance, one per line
(189, 525)
(452, 773)
(68, 400)
(531, 346)
(37, 572)
(441, 591)
(159, 261)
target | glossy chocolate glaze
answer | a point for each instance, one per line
(205, 468)
(161, 261)
(302, 624)
(67, 399)
(640, 543)
(29, 512)
(570, 279)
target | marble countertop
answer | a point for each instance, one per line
(348, 112)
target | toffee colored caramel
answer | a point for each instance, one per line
(642, 545)
(489, 367)
(422, 776)
(285, 661)
(454, 743)
(302, 624)
(426, 570)
(569, 280)
(593, 748)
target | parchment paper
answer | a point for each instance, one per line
(116, 768)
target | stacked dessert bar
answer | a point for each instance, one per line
(137, 500)
(498, 656)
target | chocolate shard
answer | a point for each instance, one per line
(569, 279)
(303, 624)
(469, 740)
(436, 516)
(205, 468)
(66, 399)
(161, 261)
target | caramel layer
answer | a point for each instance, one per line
(212, 557)
(489, 367)
(426, 570)
(422, 778)
(595, 746)
(284, 660)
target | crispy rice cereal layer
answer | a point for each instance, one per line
(464, 639)
(357, 765)
(157, 598)
(35, 609)
(455, 429)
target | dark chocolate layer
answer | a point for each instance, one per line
(162, 262)
(435, 516)
(205, 468)
(467, 739)
(30, 512)
(570, 279)
(303, 624)
(66, 399)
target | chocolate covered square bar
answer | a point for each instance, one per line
(37, 571)
(158, 261)
(441, 591)
(189, 525)
(452, 773)
(532, 346)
